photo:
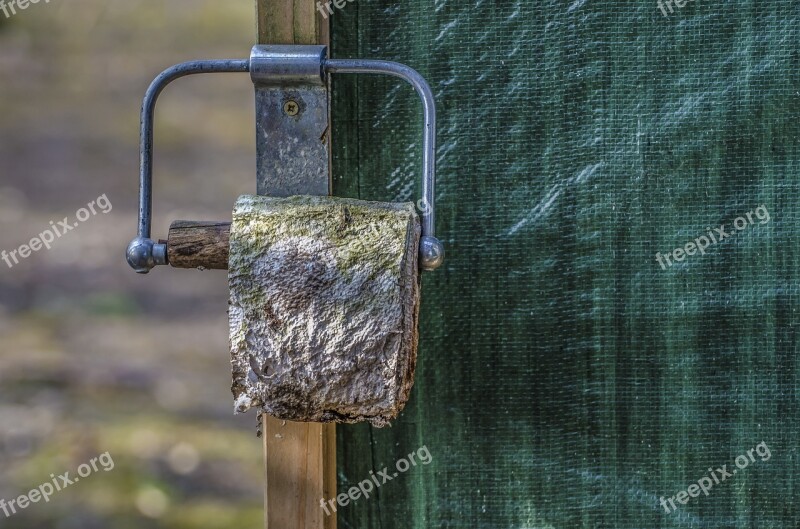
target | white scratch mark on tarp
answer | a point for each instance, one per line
(517, 11)
(546, 203)
(578, 4)
(397, 177)
(588, 172)
(540, 209)
(446, 29)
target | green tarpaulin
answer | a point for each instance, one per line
(584, 351)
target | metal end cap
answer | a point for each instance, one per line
(431, 253)
(144, 254)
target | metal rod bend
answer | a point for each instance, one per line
(429, 107)
(143, 253)
(148, 117)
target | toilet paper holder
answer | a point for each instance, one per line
(292, 99)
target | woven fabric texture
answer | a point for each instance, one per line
(581, 357)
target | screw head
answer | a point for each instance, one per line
(291, 108)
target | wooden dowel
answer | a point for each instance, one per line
(199, 244)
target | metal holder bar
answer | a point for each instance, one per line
(143, 253)
(282, 68)
(429, 141)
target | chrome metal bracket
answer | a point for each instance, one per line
(292, 134)
(292, 126)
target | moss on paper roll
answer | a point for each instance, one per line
(324, 300)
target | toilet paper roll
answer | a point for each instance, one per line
(324, 301)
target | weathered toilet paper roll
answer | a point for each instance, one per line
(324, 301)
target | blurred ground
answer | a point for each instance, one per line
(94, 358)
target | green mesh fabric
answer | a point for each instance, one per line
(566, 378)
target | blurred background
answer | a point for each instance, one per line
(94, 358)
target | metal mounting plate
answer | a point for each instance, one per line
(292, 113)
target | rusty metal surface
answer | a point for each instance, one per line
(292, 132)
(292, 150)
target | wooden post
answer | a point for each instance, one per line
(291, 22)
(300, 457)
